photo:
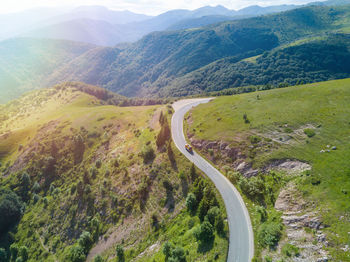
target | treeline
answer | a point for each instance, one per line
(109, 97)
(315, 61)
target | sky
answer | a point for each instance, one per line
(150, 7)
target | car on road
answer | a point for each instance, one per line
(189, 148)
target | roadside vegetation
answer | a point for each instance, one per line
(306, 125)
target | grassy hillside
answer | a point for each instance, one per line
(79, 178)
(308, 123)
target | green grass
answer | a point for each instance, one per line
(324, 107)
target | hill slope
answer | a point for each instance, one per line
(291, 147)
(93, 176)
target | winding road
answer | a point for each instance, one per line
(241, 239)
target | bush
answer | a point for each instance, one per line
(85, 241)
(191, 202)
(120, 253)
(309, 132)
(148, 154)
(11, 208)
(289, 250)
(269, 234)
(98, 163)
(76, 254)
(254, 139)
(205, 232)
(98, 258)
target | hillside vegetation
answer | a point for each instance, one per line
(267, 131)
(81, 179)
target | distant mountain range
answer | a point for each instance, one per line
(102, 26)
(182, 62)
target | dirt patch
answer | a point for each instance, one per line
(154, 121)
(288, 166)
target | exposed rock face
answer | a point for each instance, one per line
(296, 219)
(289, 166)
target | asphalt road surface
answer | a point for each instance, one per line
(241, 239)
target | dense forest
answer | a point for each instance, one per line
(313, 61)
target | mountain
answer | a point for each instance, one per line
(96, 32)
(170, 60)
(149, 65)
(99, 13)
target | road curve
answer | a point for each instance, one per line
(241, 239)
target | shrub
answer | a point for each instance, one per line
(269, 234)
(98, 163)
(254, 139)
(85, 241)
(245, 118)
(148, 154)
(289, 250)
(76, 254)
(191, 202)
(120, 253)
(98, 258)
(309, 132)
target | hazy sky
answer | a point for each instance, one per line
(151, 7)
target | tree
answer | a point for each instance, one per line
(76, 254)
(191, 202)
(120, 253)
(3, 255)
(178, 255)
(193, 173)
(11, 208)
(85, 241)
(23, 253)
(167, 250)
(164, 134)
(269, 234)
(205, 232)
(36, 187)
(14, 251)
(212, 214)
